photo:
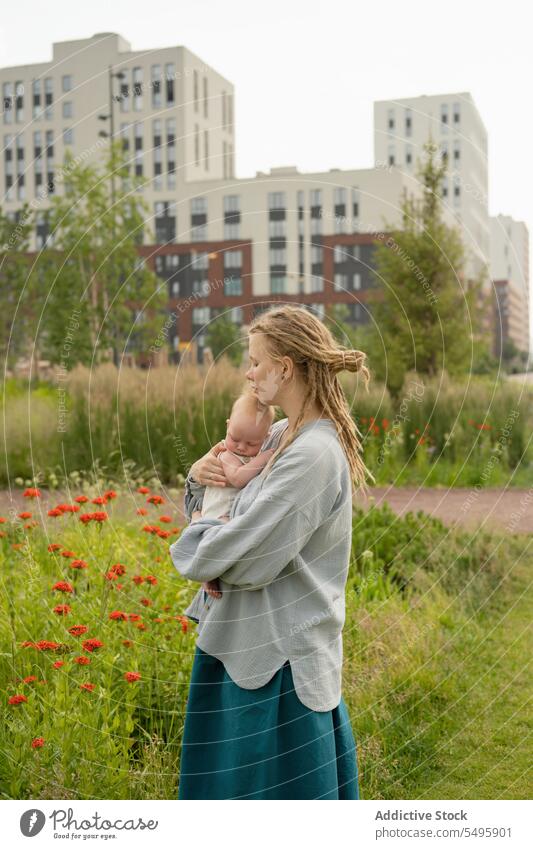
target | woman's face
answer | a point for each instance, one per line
(264, 374)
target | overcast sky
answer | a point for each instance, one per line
(306, 73)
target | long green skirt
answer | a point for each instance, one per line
(264, 743)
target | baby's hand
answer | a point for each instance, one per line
(212, 588)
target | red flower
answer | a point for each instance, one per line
(155, 499)
(118, 569)
(151, 579)
(78, 630)
(32, 493)
(68, 553)
(127, 643)
(150, 529)
(89, 687)
(54, 546)
(163, 534)
(62, 609)
(2, 520)
(63, 587)
(55, 512)
(30, 679)
(141, 626)
(141, 511)
(135, 617)
(99, 516)
(166, 519)
(119, 615)
(78, 564)
(81, 499)
(37, 743)
(146, 602)
(138, 579)
(17, 700)
(100, 499)
(143, 490)
(132, 676)
(110, 576)
(184, 623)
(91, 645)
(24, 515)
(110, 494)
(82, 660)
(46, 645)
(58, 664)
(68, 508)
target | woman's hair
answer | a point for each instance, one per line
(291, 331)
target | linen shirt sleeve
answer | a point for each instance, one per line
(193, 498)
(252, 549)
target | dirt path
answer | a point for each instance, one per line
(507, 510)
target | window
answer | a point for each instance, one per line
(339, 195)
(155, 74)
(137, 89)
(444, 187)
(233, 285)
(340, 223)
(357, 281)
(48, 97)
(456, 113)
(19, 101)
(456, 152)
(195, 89)
(205, 97)
(206, 150)
(224, 110)
(170, 73)
(277, 256)
(124, 93)
(355, 202)
(199, 206)
(278, 284)
(236, 315)
(200, 315)
(317, 283)
(36, 94)
(66, 82)
(408, 123)
(340, 282)
(68, 136)
(200, 260)
(7, 102)
(67, 109)
(315, 197)
(277, 229)
(390, 119)
(232, 259)
(408, 154)
(196, 145)
(276, 200)
(316, 254)
(231, 203)
(316, 226)
(444, 117)
(339, 253)
(390, 157)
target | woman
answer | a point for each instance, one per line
(265, 715)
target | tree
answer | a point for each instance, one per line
(98, 281)
(19, 290)
(224, 338)
(428, 314)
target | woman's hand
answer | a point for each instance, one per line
(208, 470)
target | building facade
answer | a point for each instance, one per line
(509, 259)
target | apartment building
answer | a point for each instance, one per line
(509, 264)
(453, 123)
(171, 110)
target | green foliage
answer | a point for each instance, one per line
(427, 312)
(223, 336)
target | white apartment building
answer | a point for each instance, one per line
(174, 113)
(509, 264)
(452, 121)
(284, 214)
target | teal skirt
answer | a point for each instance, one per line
(264, 743)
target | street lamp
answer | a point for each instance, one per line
(120, 75)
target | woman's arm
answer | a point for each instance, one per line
(251, 549)
(207, 469)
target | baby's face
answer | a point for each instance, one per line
(244, 436)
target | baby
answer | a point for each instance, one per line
(247, 428)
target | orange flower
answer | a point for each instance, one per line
(110, 494)
(37, 743)
(54, 546)
(78, 564)
(155, 499)
(132, 676)
(142, 511)
(81, 499)
(82, 660)
(143, 490)
(58, 664)
(62, 609)
(78, 630)
(89, 687)
(165, 519)
(32, 493)
(25, 515)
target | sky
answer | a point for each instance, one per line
(306, 73)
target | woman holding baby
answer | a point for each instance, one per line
(270, 541)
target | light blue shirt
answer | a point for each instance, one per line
(282, 562)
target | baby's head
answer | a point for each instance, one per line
(248, 425)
